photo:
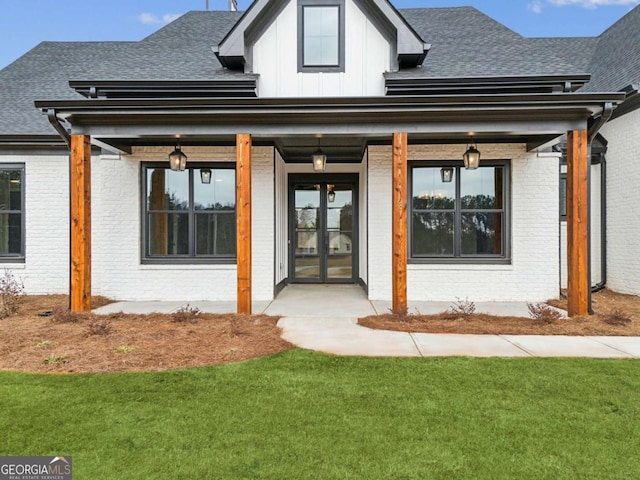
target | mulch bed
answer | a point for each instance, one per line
(616, 315)
(122, 343)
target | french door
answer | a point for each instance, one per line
(323, 237)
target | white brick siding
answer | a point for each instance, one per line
(46, 210)
(534, 272)
(623, 198)
(117, 271)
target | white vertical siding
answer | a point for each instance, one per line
(275, 58)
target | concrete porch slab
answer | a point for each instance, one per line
(446, 345)
(143, 308)
(321, 300)
(565, 346)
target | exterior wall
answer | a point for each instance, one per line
(623, 197)
(534, 271)
(46, 210)
(596, 239)
(275, 58)
(116, 214)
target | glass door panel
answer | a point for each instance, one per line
(339, 231)
(322, 232)
(307, 238)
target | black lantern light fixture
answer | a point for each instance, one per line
(319, 159)
(331, 196)
(177, 159)
(471, 157)
(205, 175)
(446, 173)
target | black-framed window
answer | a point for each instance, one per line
(321, 36)
(189, 216)
(11, 212)
(463, 220)
(563, 196)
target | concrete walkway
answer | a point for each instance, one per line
(324, 318)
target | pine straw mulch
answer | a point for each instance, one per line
(616, 314)
(32, 343)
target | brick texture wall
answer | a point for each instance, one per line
(623, 197)
(534, 272)
(46, 210)
(117, 271)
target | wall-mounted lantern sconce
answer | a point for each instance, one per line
(331, 196)
(471, 157)
(446, 173)
(177, 159)
(205, 175)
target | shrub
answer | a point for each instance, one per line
(51, 359)
(616, 317)
(461, 308)
(98, 327)
(543, 312)
(11, 294)
(185, 314)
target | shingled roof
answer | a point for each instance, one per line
(465, 42)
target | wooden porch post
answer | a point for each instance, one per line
(243, 210)
(577, 223)
(399, 229)
(80, 193)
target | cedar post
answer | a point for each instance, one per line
(577, 223)
(399, 232)
(243, 209)
(80, 199)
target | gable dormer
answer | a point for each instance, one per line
(321, 47)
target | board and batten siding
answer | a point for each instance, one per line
(275, 59)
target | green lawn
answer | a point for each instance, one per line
(303, 415)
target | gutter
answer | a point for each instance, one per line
(55, 122)
(607, 111)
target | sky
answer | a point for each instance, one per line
(25, 23)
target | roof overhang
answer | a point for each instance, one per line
(534, 119)
(631, 102)
(396, 84)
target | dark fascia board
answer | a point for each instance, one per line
(631, 102)
(513, 84)
(31, 142)
(240, 87)
(545, 114)
(333, 104)
(410, 48)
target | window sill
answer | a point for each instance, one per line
(504, 265)
(187, 266)
(12, 262)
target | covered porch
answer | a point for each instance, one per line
(348, 127)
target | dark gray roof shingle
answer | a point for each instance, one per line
(465, 43)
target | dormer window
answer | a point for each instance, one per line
(321, 36)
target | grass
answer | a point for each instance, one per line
(302, 415)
